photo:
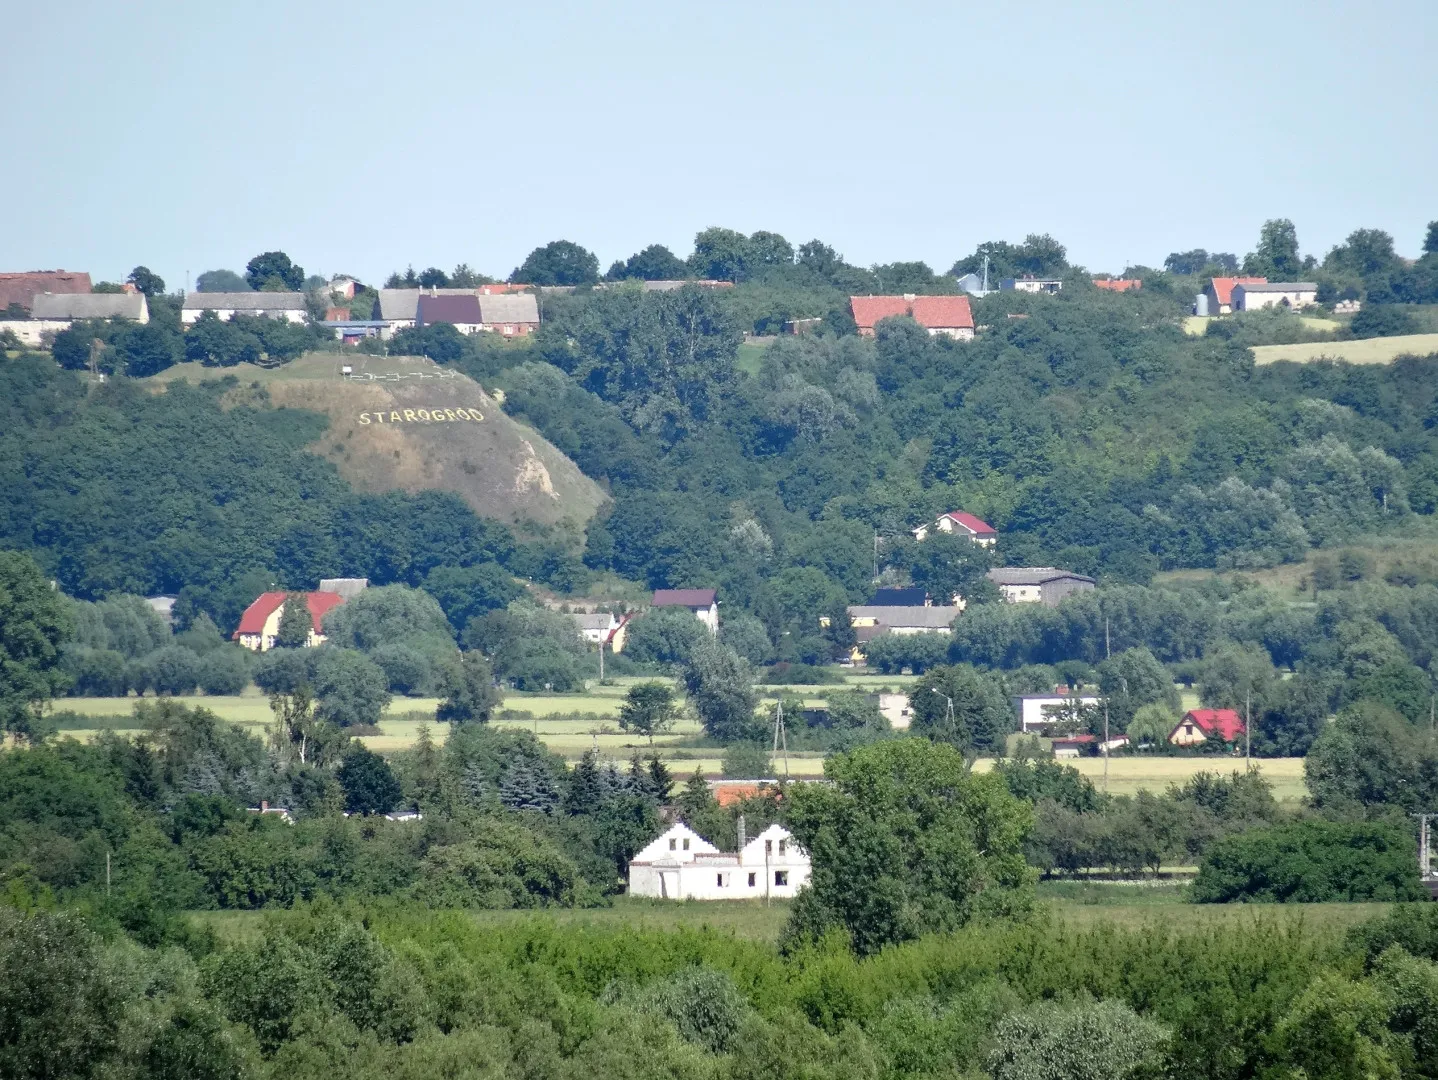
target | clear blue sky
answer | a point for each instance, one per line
(363, 136)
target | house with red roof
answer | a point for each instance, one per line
(20, 290)
(260, 624)
(963, 523)
(1198, 725)
(1219, 291)
(1118, 284)
(702, 602)
(950, 316)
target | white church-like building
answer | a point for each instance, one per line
(682, 865)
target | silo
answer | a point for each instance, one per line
(1200, 305)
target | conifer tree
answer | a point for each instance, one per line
(587, 789)
(295, 622)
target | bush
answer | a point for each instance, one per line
(1049, 1041)
(408, 671)
(1382, 320)
(704, 1005)
(171, 670)
(1311, 861)
(225, 670)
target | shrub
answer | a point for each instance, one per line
(747, 761)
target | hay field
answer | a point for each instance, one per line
(1129, 774)
(1362, 351)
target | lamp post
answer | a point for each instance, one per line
(948, 710)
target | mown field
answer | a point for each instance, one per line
(1363, 351)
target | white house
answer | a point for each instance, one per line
(508, 314)
(963, 523)
(1251, 296)
(682, 865)
(1045, 585)
(52, 312)
(701, 602)
(1032, 284)
(1037, 712)
(289, 306)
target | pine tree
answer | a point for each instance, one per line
(660, 778)
(295, 622)
(586, 789)
(696, 798)
(472, 785)
(527, 786)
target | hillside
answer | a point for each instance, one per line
(407, 424)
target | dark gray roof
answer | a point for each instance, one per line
(244, 301)
(1278, 286)
(1031, 575)
(90, 306)
(509, 308)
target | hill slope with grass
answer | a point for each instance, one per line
(407, 424)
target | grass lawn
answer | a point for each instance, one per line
(750, 357)
(1363, 351)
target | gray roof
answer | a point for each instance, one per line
(930, 618)
(402, 305)
(1031, 575)
(90, 306)
(244, 301)
(509, 308)
(593, 621)
(1278, 286)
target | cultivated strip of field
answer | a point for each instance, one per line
(1362, 351)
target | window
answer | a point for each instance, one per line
(719, 880)
(782, 845)
(686, 843)
(768, 847)
(753, 879)
(781, 877)
(673, 843)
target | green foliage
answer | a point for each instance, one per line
(648, 709)
(560, 262)
(34, 623)
(703, 1004)
(470, 694)
(665, 635)
(368, 782)
(352, 689)
(1050, 1041)
(531, 647)
(720, 685)
(273, 272)
(1381, 320)
(221, 281)
(468, 592)
(1311, 861)
(746, 761)
(906, 841)
(1371, 757)
(981, 716)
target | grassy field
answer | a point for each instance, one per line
(1076, 903)
(1363, 351)
(1197, 325)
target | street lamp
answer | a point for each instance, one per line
(948, 710)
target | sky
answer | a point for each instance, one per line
(364, 137)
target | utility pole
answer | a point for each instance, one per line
(781, 737)
(1107, 653)
(1425, 863)
(1248, 727)
(601, 659)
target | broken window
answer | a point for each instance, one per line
(673, 843)
(781, 877)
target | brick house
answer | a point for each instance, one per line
(947, 316)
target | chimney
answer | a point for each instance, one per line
(741, 832)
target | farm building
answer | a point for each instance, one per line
(289, 306)
(260, 624)
(1252, 296)
(941, 316)
(52, 312)
(1045, 585)
(19, 290)
(701, 602)
(681, 865)
(1219, 292)
(1038, 712)
(963, 523)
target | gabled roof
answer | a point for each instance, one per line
(930, 312)
(90, 306)
(658, 848)
(1278, 286)
(319, 603)
(690, 598)
(244, 301)
(448, 309)
(967, 521)
(1031, 575)
(927, 618)
(22, 288)
(1226, 723)
(1223, 286)
(600, 620)
(509, 308)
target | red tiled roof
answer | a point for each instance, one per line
(1223, 286)
(973, 524)
(448, 309)
(319, 603)
(1226, 723)
(23, 288)
(690, 598)
(729, 792)
(930, 312)
(1118, 284)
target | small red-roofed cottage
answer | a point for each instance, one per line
(1118, 284)
(1220, 292)
(963, 523)
(1198, 725)
(949, 316)
(260, 624)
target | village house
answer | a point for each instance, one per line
(19, 290)
(947, 316)
(1219, 292)
(54, 312)
(1039, 712)
(963, 523)
(701, 602)
(602, 628)
(1032, 285)
(1198, 725)
(461, 312)
(1038, 584)
(289, 306)
(681, 865)
(933, 619)
(260, 624)
(1254, 296)
(500, 310)
(1118, 284)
